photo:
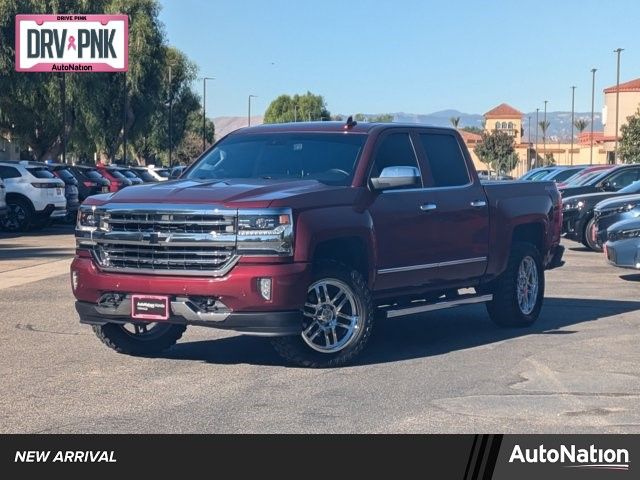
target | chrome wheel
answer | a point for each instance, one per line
(527, 285)
(332, 316)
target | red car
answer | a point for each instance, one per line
(583, 174)
(117, 179)
(309, 233)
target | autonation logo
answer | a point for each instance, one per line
(574, 457)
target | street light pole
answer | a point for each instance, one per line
(544, 134)
(249, 111)
(573, 112)
(615, 148)
(204, 111)
(535, 163)
(593, 99)
(170, 120)
(528, 165)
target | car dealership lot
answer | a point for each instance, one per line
(576, 370)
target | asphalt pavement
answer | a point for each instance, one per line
(576, 370)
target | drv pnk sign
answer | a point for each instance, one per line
(72, 43)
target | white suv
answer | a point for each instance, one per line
(34, 195)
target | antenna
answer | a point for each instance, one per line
(350, 123)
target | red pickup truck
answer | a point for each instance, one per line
(309, 233)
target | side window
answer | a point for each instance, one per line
(448, 166)
(9, 172)
(624, 178)
(395, 150)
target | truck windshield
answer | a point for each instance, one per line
(329, 158)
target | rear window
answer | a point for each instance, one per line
(40, 172)
(65, 174)
(145, 176)
(447, 165)
(163, 173)
(92, 174)
(116, 174)
(9, 172)
(128, 174)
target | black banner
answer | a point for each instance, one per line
(466, 457)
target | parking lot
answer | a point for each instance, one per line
(576, 370)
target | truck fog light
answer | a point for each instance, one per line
(74, 280)
(264, 285)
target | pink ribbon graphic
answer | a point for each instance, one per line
(72, 43)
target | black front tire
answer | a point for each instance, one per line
(119, 337)
(296, 350)
(19, 217)
(505, 309)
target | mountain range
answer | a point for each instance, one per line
(559, 122)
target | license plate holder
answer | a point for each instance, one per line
(150, 307)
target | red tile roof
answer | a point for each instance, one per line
(503, 111)
(470, 137)
(631, 86)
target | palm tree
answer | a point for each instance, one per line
(455, 121)
(544, 126)
(581, 124)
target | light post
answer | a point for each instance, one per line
(615, 148)
(535, 163)
(204, 111)
(249, 110)
(544, 134)
(573, 103)
(170, 119)
(593, 99)
(528, 165)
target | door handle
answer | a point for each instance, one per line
(478, 203)
(427, 207)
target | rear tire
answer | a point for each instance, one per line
(19, 217)
(518, 293)
(337, 321)
(587, 238)
(156, 338)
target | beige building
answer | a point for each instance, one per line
(629, 100)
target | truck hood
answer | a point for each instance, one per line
(236, 193)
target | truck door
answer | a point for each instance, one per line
(461, 216)
(402, 222)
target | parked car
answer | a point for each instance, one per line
(117, 180)
(176, 172)
(580, 177)
(612, 211)
(3, 201)
(144, 174)
(562, 174)
(538, 173)
(623, 244)
(34, 195)
(610, 180)
(131, 176)
(308, 232)
(90, 181)
(71, 191)
(159, 173)
(579, 215)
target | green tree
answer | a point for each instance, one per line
(299, 108)
(497, 150)
(544, 127)
(581, 124)
(629, 144)
(455, 121)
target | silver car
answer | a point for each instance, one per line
(623, 244)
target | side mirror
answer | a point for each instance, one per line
(396, 177)
(607, 186)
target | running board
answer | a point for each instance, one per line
(462, 300)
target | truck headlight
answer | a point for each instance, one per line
(265, 232)
(88, 219)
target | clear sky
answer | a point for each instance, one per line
(412, 56)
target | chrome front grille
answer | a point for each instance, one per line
(163, 257)
(165, 240)
(170, 222)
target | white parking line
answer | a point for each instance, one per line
(21, 276)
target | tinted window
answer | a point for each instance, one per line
(145, 176)
(128, 174)
(564, 174)
(633, 188)
(326, 157)
(40, 172)
(116, 174)
(65, 174)
(395, 150)
(623, 178)
(448, 167)
(9, 172)
(163, 173)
